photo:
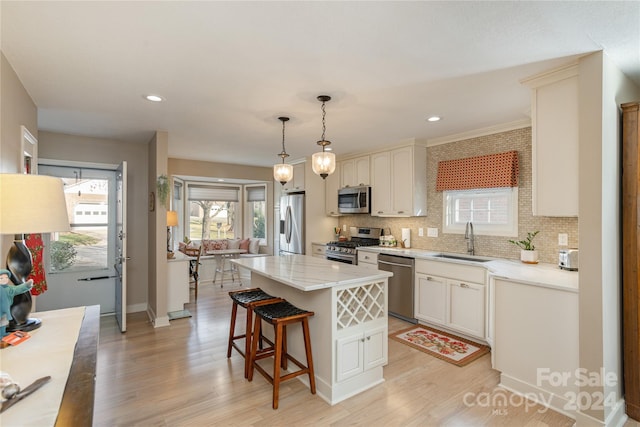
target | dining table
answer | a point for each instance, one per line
(221, 255)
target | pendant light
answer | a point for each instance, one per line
(283, 172)
(324, 162)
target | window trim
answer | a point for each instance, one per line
(510, 230)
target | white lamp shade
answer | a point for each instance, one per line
(32, 204)
(283, 173)
(323, 163)
(172, 218)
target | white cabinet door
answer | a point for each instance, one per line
(361, 351)
(355, 172)
(554, 149)
(297, 183)
(350, 356)
(431, 299)
(466, 307)
(381, 183)
(375, 348)
(399, 182)
(402, 181)
(331, 186)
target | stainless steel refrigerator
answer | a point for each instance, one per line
(292, 224)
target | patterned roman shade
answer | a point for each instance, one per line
(489, 171)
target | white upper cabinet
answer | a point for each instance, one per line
(331, 186)
(297, 183)
(554, 120)
(355, 172)
(399, 182)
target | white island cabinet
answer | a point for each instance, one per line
(349, 328)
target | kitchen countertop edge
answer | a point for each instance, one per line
(542, 274)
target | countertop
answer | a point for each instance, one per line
(309, 273)
(542, 274)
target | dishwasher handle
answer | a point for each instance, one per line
(395, 264)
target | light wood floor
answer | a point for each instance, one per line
(180, 375)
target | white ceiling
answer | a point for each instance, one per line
(228, 69)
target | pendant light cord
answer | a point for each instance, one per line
(324, 128)
(283, 150)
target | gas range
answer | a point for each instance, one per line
(345, 251)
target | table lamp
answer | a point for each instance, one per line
(172, 221)
(28, 204)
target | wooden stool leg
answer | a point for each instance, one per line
(277, 360)
(283, 362)
(247, 341)
(232, 328)
(307, 347)
(254, 346)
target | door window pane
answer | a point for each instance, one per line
(85, 247)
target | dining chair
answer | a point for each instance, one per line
(194, 266)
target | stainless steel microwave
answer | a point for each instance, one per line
(354, 200)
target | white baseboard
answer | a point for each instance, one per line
(137, 308)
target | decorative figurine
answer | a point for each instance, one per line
(6, 297)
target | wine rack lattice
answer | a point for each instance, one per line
(360, 304)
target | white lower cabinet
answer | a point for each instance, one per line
(318, 250)
(454, 302)
(467, 307)
(430, 299)
(368, 259)
(359, 351)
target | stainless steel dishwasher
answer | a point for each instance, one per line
(400, 285)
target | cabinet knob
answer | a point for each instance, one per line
(362, 340)
(464, 285)
(380, 212)
(400, 212)
(429, 278)
(368, 338)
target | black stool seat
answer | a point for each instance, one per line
(245, 298)
(278, 310)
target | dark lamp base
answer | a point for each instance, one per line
(31, 324)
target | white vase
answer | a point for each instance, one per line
(529, 257)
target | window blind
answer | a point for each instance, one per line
(489, 171)
(214, 193)
(256, 194)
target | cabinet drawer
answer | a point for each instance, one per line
(367, 258)
(451, 270)
(318, 249)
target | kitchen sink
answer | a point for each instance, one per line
(461, 258)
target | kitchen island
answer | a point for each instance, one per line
(349, 328)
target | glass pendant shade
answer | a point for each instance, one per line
(283, 173)
(323, 163)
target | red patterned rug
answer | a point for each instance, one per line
(442, 345)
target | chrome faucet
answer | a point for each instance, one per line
(469, 237)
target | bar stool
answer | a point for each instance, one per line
(246, 298)
(281, 314)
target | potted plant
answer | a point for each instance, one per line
(528, 252)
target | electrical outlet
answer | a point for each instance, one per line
(420, 232)
(563, 239)
(344, 227)
(432, 232)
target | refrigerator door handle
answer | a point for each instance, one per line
(287, 224)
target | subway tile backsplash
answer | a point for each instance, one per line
(546, 241)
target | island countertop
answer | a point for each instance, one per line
(309, 273)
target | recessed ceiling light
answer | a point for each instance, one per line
(434, 119)
(154, 98)
(220, 180)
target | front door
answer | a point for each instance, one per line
(80, 264)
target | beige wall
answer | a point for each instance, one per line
(16, 109)
(158, 267)
(519, 139)
(86, 149)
